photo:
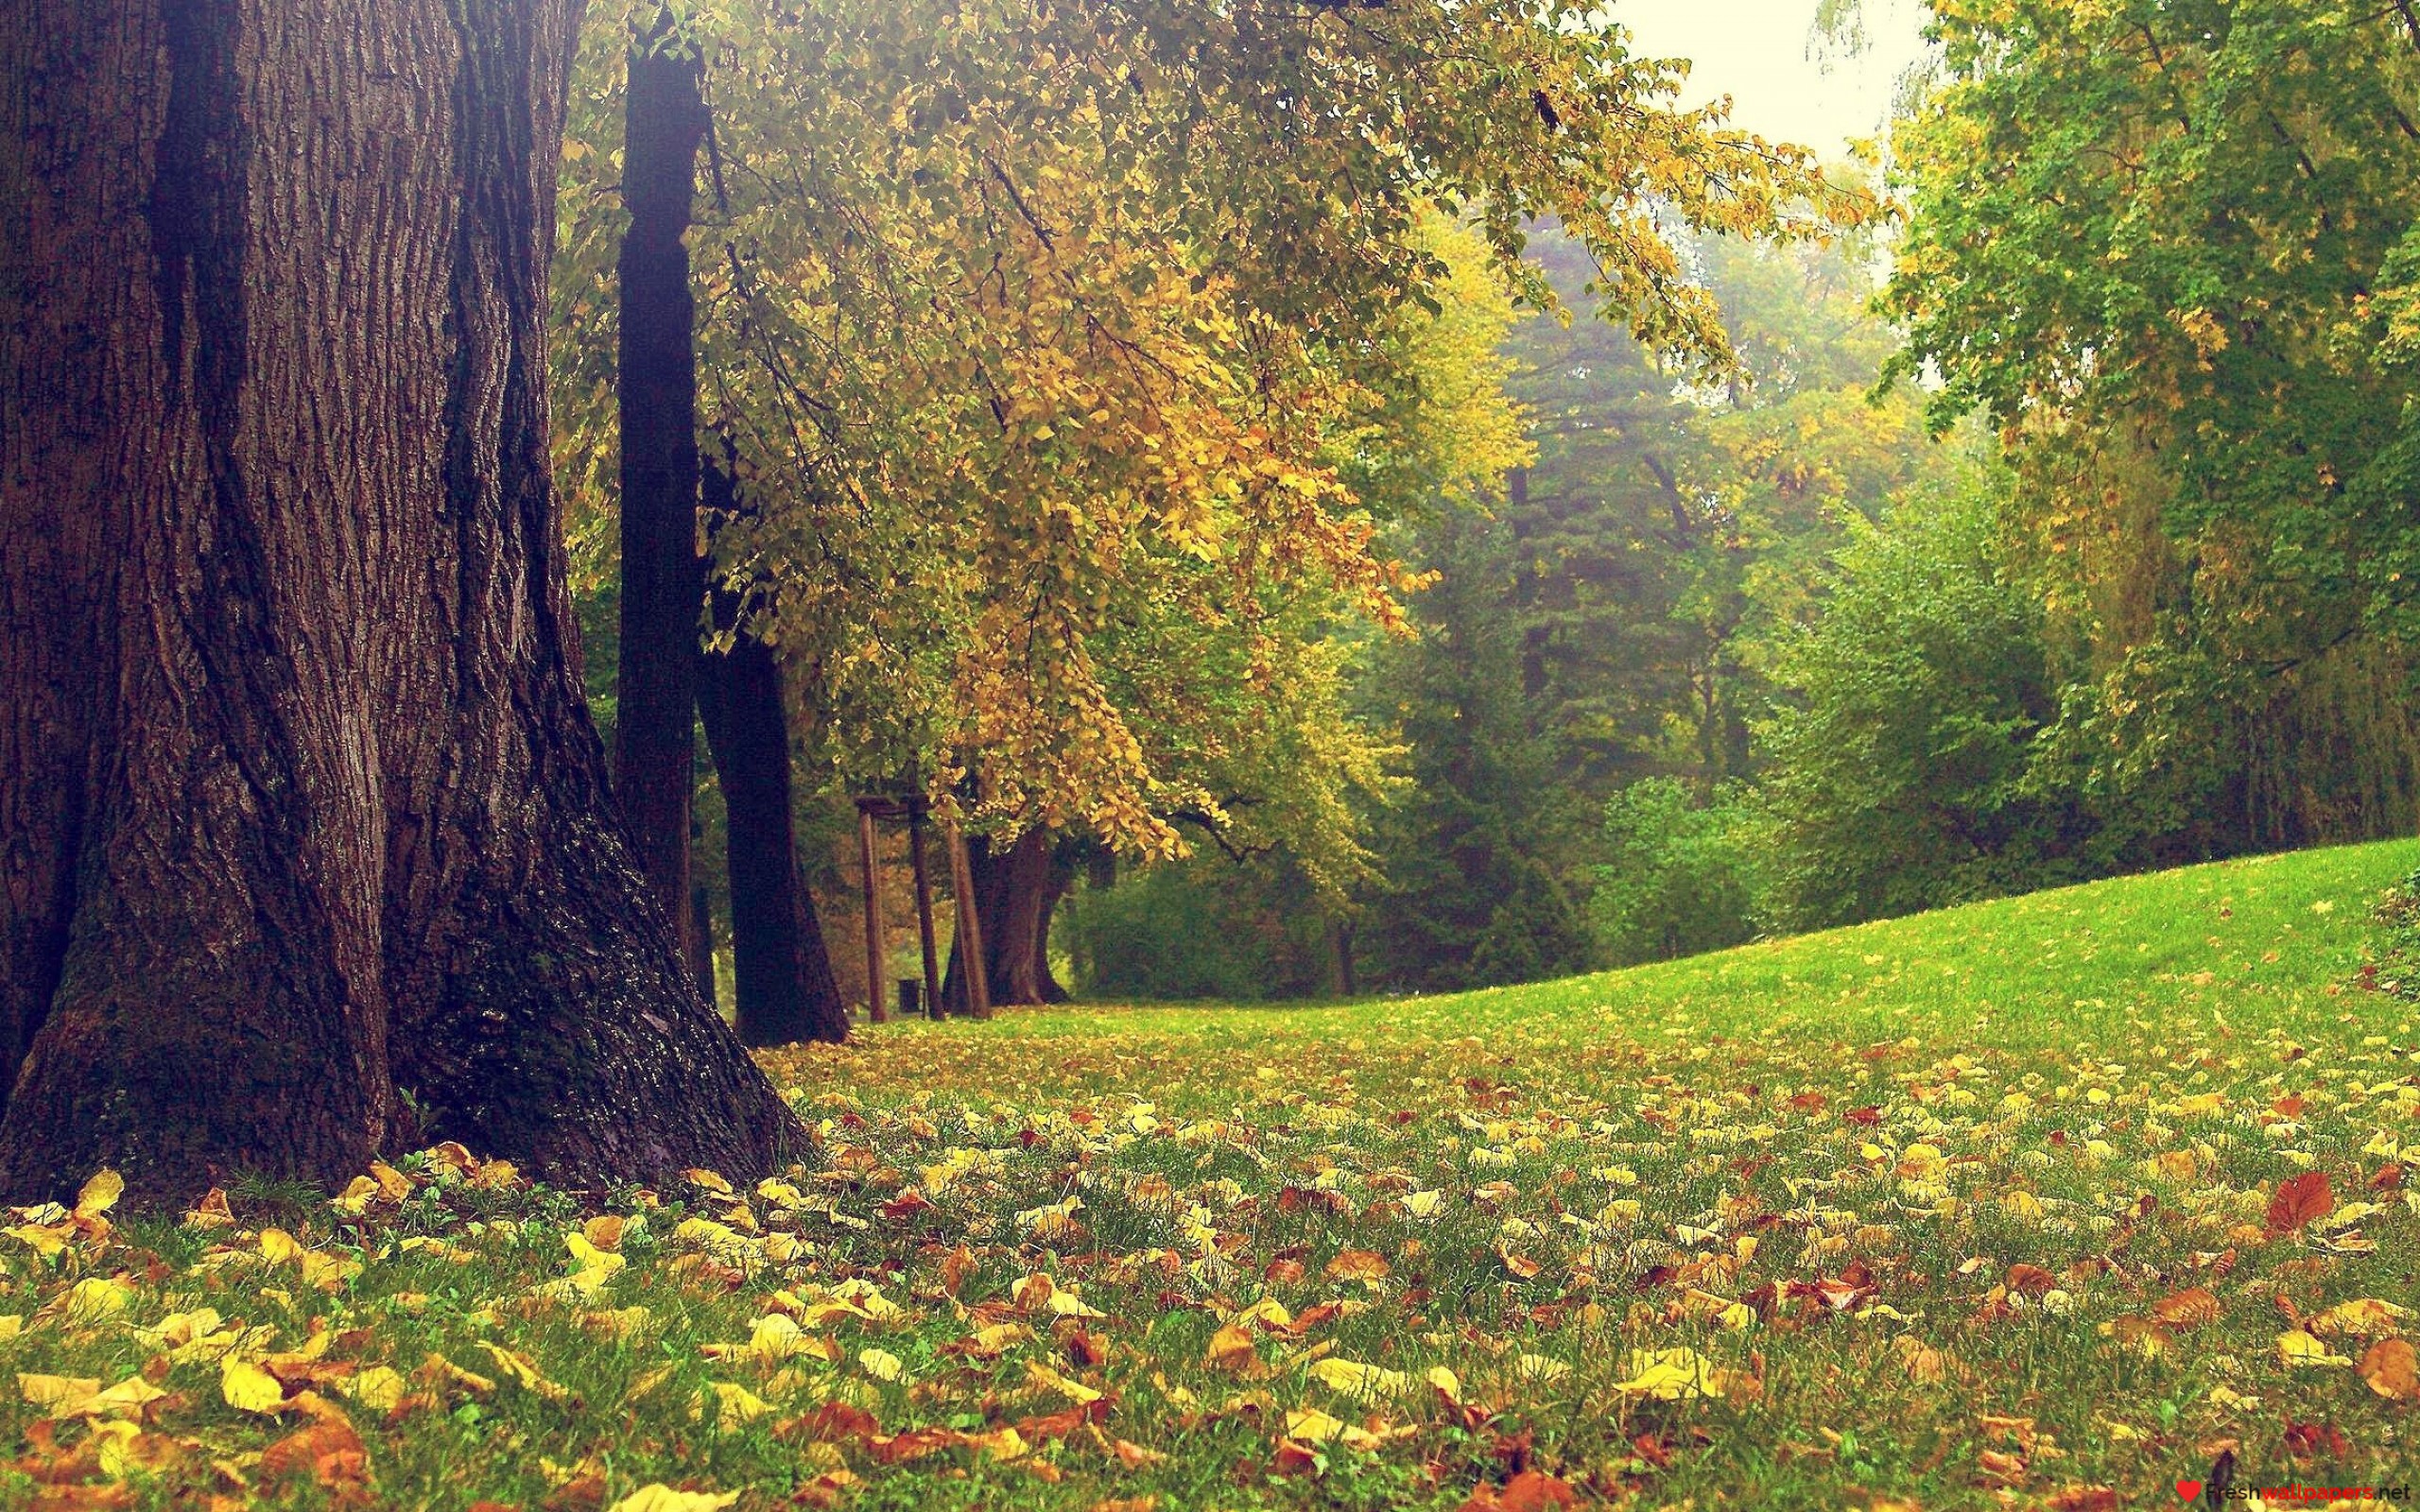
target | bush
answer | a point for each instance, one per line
(1680, 878)
(1900, 753)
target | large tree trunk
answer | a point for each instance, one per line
(656, 384)
(1013, 892)
(300, 810)
(1064, 863)
(782, 978)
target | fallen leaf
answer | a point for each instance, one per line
(2390, 1370)
(2301, 1199)
(246, 1388)
(662, 1498)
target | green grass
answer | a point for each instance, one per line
(1811, 1164)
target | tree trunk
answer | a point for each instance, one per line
(656, 384)
(1013, 896)
(1061, 876)
(300, 810)
(701, 943)
(782, 978)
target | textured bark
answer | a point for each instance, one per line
(701, 944)
(1013, 893)
(300, 805)
(782, 979)
(1061, 876)
(656, 384)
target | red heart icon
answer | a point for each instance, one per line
(2187, 1491)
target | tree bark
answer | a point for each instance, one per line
(701, 943)
(300, 810)
(973, 995)
(656, 387)
(1013, 895)
(782, 979)
(1061, 877)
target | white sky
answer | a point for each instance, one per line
(1757, 52)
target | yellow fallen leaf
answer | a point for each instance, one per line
(1448, 1384)
(736, 1404)
(1539, 1367)
(2363, 1316)
(1355, 1379)
(356, 1196)
(95, 1298)
(524, 1372)
(1075, 1391)
(378, 1388)
(101, 1194)
(881, 1364)
(47, 1240)
(439, 1370)
(63, 1396)
(710, 1180)
(1003, 1444)
(1670, 1375)
(125, 1399)
(662, 1498)
(247, 1388)
(1312, 1426)
(2294, 1347)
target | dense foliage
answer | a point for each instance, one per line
(1755, 655)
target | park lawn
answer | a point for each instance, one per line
(2048, 1201)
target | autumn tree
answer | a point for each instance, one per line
(307, 851)
(1033, 334)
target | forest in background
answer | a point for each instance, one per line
(2056, 529)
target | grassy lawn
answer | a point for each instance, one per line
(2017, 1204)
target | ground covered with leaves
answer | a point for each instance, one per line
(2053, 1202)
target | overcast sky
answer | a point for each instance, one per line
(1757, 52)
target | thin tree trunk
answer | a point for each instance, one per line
(300, 810)
(870, 858)
(934, 1009)
(782, 979)
(967, 990)
(656, 386)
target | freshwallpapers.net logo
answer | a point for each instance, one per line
(2220, 1486)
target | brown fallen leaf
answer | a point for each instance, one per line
(329, 1451)
(1358, 1265)
(1529, 1491)
(2189, 1307)
(2030, 1279)
(2301, 1200)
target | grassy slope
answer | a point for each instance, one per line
(1657, 1143)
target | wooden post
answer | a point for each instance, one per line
(877, 1007)
(970, 925)
(923, 907)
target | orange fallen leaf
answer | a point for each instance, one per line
(2390, 1367)
(2190, 1308)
